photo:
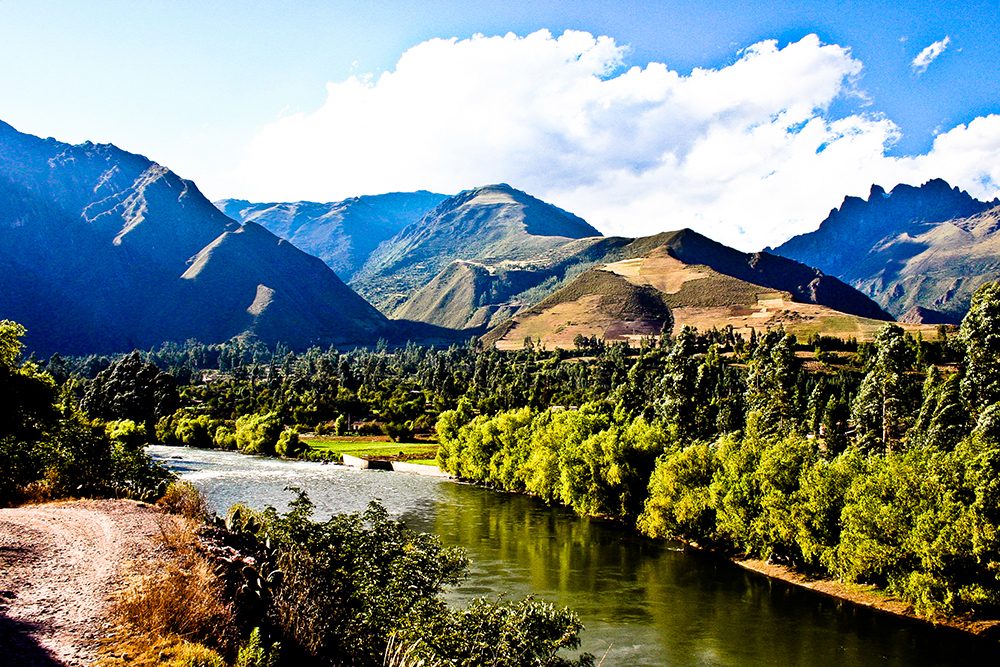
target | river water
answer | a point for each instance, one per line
(642, 602)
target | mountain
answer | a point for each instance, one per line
(703, 283)
(928, 247)
(492, 224)
(102, 250)
(477, 294)
(343, 234)
(597, 303)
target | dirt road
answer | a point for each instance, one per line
(60, 563)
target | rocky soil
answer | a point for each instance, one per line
(60, 564)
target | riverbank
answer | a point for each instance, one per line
(868, 596)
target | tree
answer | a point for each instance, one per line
(131, 388)
(980, 332)
(258, 433)
(772, 373)
(886, 401)
(679, 501)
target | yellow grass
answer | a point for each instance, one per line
(172, 610)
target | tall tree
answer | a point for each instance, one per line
(980, 332)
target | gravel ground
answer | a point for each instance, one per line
(60, 564)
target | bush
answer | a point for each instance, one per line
(289, 444)
(174, 613)
(258, 433)
(183, 499)
(225, 437)
(336, 592)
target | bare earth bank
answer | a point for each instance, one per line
(867, 596)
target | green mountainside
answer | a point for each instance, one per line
(492, 225)
(343, 234)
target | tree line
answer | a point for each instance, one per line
(869, 462)
(880, 466)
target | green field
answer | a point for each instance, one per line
(414, 452)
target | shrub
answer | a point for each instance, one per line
(258, 433)
(175, 613)
(183, 499)
(289, 444)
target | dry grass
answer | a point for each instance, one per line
(183, 499)
(172, 610)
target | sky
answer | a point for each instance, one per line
(746, 121)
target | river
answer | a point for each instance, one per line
(643, 602)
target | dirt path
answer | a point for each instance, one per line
(59, 565)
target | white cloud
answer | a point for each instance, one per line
(748, 153)
(929, 55)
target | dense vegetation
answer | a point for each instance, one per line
(356, 589)
(873, 462)
(348, 589)
(50, 448)
(881, 466)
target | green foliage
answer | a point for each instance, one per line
(289, 445)
(255, 653)
(49, 449)
(258, 433)
(131, 388)
(886, 401)
(335, 592)
(524, 633)
(11, 334)
(980, 332)
(679, 502)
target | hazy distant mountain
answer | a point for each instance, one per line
(491, 224)
(104, 250)
(343, 234)
(704, 283)
(928, 247)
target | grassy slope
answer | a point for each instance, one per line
(696, 294)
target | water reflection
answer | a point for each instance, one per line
(649, 602)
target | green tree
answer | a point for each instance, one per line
(131, 388)
(980, 332)
(886, 401)
(679, 501)
(258, 433)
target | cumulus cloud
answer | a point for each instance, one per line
(929, 55)
(749, 153)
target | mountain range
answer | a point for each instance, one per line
(103, 250)
(920, 252)
(343, 234)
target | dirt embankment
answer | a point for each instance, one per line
(868, 596)
(60, 564)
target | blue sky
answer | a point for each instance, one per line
(232, 95)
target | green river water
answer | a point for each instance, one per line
(643, 602)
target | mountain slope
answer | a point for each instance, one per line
(477, 294)
(705, 284)
(491, 224)
(343, 234)
(96, 252)
(926, 247)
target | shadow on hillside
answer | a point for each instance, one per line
(18, 647)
